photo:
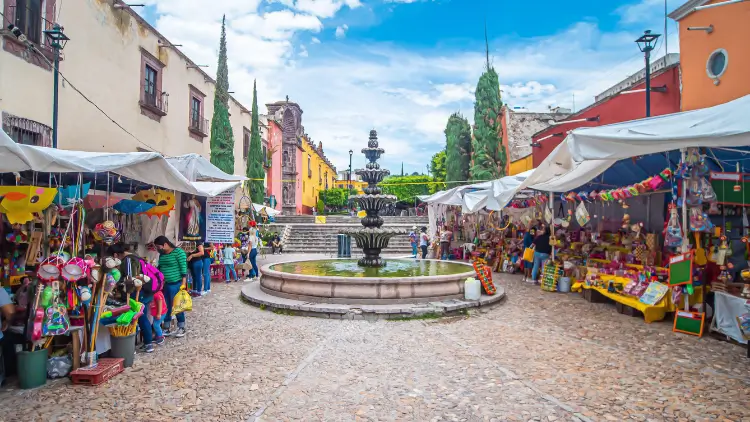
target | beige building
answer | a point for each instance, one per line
(123, 65)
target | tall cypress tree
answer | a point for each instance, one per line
(458, 149)
(255, 155)
(222, 138)
(489, 157)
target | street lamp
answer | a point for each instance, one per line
(350, 170)
(646, 44)
(57, 42)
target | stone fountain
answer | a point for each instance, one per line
(371, 287)
(372, 237)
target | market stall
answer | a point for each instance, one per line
(62, 213)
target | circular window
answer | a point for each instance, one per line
(717, 63)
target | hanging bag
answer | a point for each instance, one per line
(528, 253)
(182, 302)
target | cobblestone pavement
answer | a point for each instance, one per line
(536, 356)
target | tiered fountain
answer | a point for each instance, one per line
(422, 285)
(372, 238)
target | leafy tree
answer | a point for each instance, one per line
(320, 206)
(416, 173)
(489, 157)
(335, 197)
(437, 168)
(255, 156)
(458, 149)
(222, 138)
(407, 187)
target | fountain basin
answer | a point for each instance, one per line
(343, 281)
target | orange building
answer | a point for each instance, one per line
(714, 52)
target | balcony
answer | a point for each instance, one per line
(199, 126)
(154, 101)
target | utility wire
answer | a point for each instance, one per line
(31, 46)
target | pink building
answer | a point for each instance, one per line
(273, 167)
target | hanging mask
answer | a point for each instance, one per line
(19, 203)
(163, 201)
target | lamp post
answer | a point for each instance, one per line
(57, 42)
(349, 179)
(646, 43)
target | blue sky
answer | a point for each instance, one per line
(403, 66)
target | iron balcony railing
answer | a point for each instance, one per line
(199, 124)
(154, 99)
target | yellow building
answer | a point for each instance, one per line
(358, 185)
(521, 165)
(317, 174)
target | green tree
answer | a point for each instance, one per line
(335, 197)
(222, 138)
(489, 157)
(437, 168)
(406, 188)
(255, 156)
(458, 149)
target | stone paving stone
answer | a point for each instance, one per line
(537, 356)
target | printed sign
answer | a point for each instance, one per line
(220, 218)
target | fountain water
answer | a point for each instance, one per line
(372, 238)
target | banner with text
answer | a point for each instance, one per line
(220, 218)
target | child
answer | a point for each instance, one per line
(159, 312)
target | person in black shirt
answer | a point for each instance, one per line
(542, 250)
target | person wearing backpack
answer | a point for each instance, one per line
(173, 265)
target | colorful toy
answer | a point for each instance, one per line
(19, 203)
(163, 201)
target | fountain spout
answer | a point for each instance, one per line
(373, 237)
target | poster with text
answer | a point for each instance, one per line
(220, 218)
(193, 218)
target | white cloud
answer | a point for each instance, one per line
(320, 8)
(315, 40)
(341, 31)
(281, 24)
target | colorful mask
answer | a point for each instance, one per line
(162, 200)
(19, 203)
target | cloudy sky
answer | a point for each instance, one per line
(403, 66)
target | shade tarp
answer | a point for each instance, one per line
(197, 168)
(214, 188)
(588, 152)
(146, 167)
(500, 192)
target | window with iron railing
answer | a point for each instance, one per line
(197, 122)
(29, 18)
(309, 167)
(150, 95)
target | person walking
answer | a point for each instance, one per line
(528, 240)
(413, 241)
(424, 240)
(173, 264)
(253, 243)
(195, 264)
(542, 251)
(227, 258)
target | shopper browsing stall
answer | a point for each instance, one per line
(195, 264)
(542, 251)
(228, 256)
(173, 264)
(528, 240)
(253, 243)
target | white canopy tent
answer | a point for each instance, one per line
(146, 167)
(588, 152)
(481, 195)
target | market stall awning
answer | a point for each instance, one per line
(497, 196)
(588, 152)
(197, 168)
(147, 167)
(270, 211)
